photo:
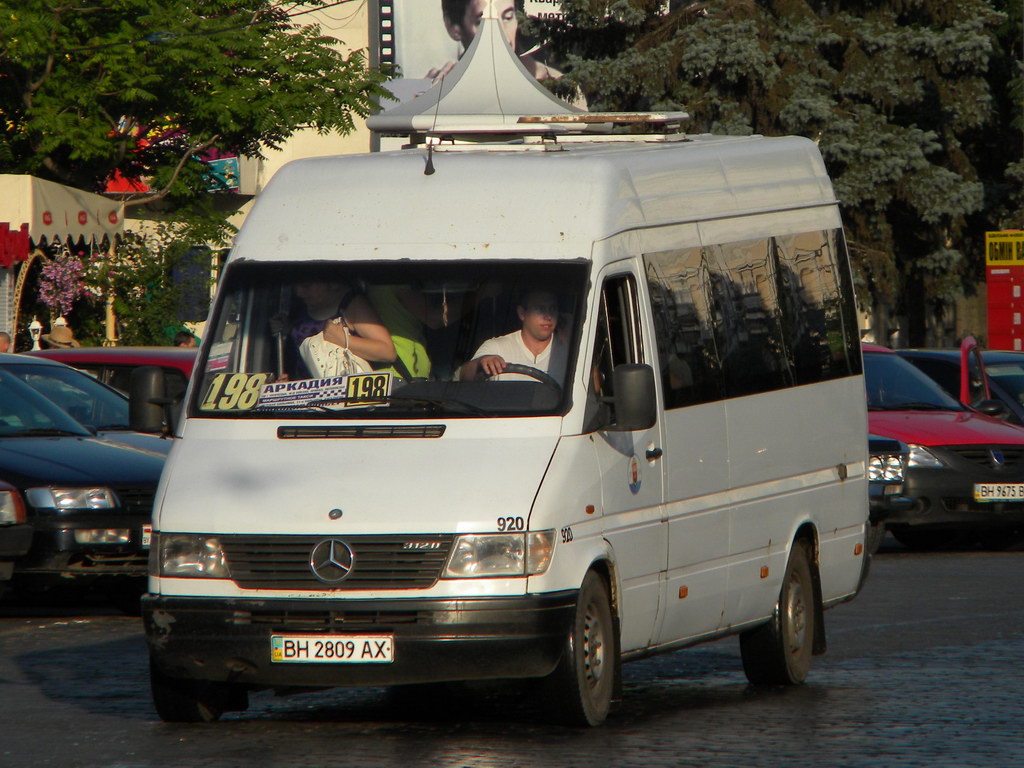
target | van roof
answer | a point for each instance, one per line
(520, 201)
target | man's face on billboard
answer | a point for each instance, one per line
(465, 29)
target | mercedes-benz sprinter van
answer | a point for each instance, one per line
(671, 450)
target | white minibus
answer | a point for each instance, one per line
(543, 409)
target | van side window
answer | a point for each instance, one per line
(817, 306)
(619, 339)
(752, 316)
(685, 312)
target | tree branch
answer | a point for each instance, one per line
(160, 194)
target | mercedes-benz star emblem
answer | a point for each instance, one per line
(331, 561)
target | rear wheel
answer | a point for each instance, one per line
(579, 691)
(181, 700)
(875, 537)
(779, 652)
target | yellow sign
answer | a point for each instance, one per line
(1004, 248)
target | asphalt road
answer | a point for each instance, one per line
(923, 669)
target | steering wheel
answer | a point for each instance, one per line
(533, 373)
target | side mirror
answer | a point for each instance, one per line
(636, 404)
(147, 399)
(995, 408)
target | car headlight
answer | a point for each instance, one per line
(185, 555)
(71, 499)
(12, 508)
(922, 457)
(500, 554)
(886, 468)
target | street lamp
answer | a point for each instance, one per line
(35, 330)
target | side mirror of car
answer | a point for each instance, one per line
(995, 408)
(636, 404)
(147, 400)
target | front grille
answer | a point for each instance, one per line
(1013, 455)
(137, 500)
(286, 620)
(380, 562)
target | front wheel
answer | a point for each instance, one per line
(180, 700)
(579, 691)
(779, 652)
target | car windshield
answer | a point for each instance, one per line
(78, 394)
(386, 340)
(26, 413)
(1010, 376)
(893, 384)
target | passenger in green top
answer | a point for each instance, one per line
(405, 311)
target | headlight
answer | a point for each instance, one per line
(103, 536)
(71, 499)
(12, 508)
(500, 554)
(184, 555)
(922, 457)
(887, 468)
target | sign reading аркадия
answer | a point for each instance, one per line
(1004, 248)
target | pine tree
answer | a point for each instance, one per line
(913, 104)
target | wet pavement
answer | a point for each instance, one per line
(923, 669)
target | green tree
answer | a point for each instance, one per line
(144, 88)
(912, 103)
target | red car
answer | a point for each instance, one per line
(965, 469)
(114, 365)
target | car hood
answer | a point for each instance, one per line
(944, 428)
(29, 461)
(154, 445)
(254, 482)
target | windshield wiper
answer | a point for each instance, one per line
(457, 405)
(47, 432)
(915, 406)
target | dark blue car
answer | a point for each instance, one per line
(87, 499)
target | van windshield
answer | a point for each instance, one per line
(394, 339)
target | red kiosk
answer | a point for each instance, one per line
(1004, 273)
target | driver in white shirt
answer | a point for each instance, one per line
(535, 345)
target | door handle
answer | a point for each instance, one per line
(653, 454)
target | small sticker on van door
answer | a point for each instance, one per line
(634, 475)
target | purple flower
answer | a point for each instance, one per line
(61, 282)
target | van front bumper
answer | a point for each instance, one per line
(434, 640)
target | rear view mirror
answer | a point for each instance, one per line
(994, 408)
(636, 404)
(147, 400)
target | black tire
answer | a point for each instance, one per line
(875, 537)
(779, 652)
(579, 691)
(180, 700)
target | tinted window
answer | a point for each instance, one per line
(439, 315)
(894, 384)
(753, 316)
(945, 374)
(618, 339)
(78, 394)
